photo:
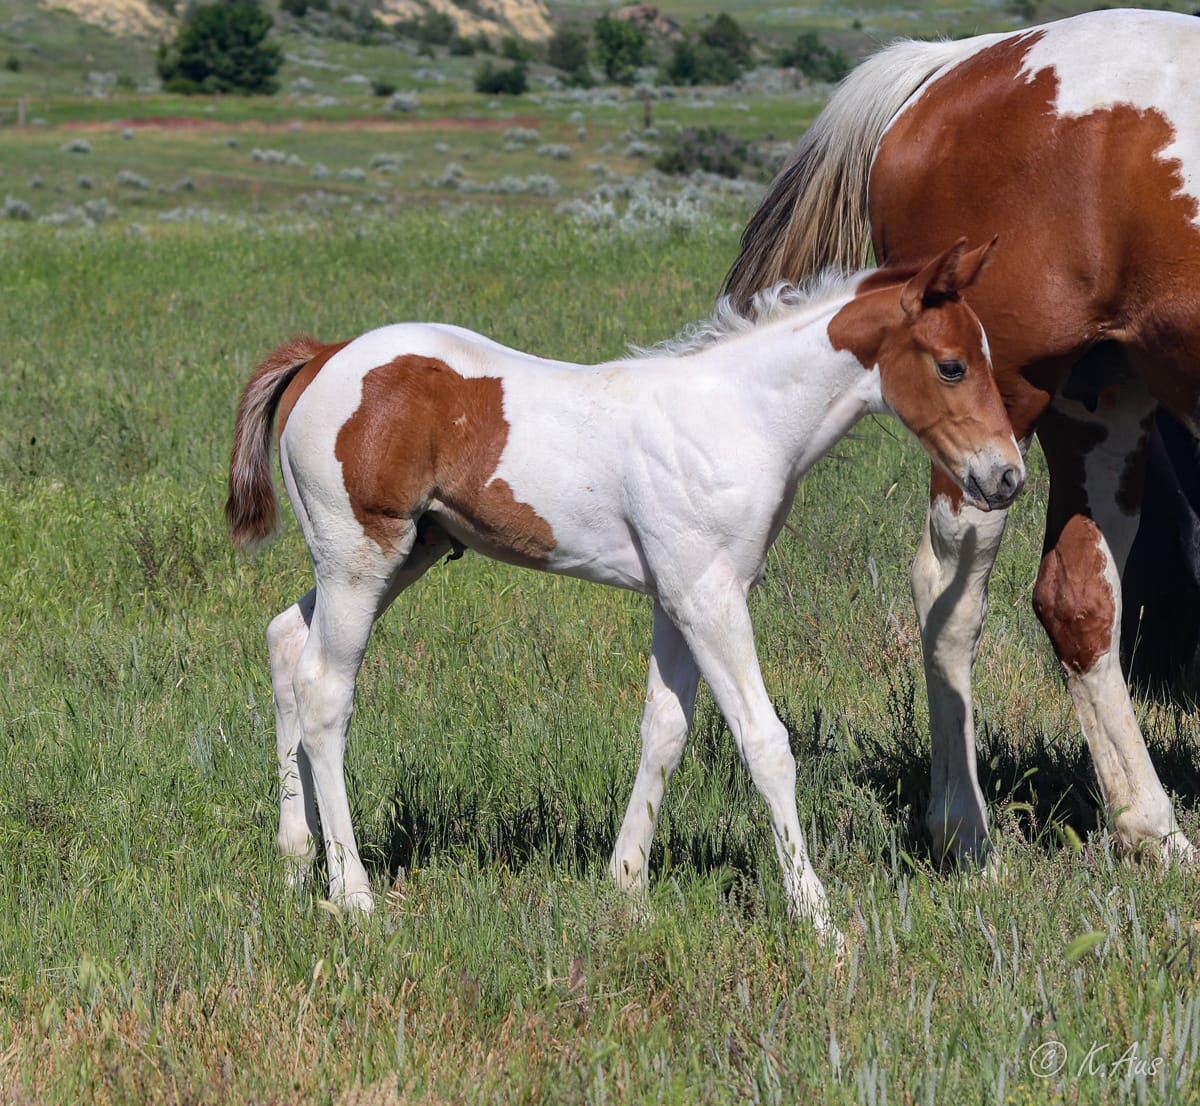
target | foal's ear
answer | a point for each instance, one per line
(944, 277)
(970, 265)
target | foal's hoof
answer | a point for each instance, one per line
(296, 871)
(833, 939)
(355, 904)
(1173, 848)
(964, 853)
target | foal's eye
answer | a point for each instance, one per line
(951, 371)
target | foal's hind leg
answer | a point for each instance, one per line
(1090, 528)
(298, 825)
(352, 591)
(670, 700)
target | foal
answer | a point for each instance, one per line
(669, 473)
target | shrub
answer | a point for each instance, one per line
(404, 101)
(462, 47)
(518, 137)
(129, 179)
(707, 149)
(568, 51)
(814, 59)
(221, 47)
(694, 63)
(725, 36)
(381, 86)
(15, 208)
(430, 28)
(718, 56)
(492, 80)
(514, 49)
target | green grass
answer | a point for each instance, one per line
(199, 152)
(149, 949)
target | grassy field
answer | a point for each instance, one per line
(150, 950)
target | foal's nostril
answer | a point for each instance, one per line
(1010, 482)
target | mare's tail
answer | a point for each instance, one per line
(814, 215)
(251, 509)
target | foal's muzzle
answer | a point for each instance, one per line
(993, 483)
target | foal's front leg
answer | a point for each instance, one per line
(666, 720)
(715, 622)
(949, 584)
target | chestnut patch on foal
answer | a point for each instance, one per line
(302, 380)
(872, 327)
(424, 433)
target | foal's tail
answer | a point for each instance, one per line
(251, 509)
(814, 215)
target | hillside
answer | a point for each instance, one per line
(527, 19)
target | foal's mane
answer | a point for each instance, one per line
(766, 306)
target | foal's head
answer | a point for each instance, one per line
(936, 371)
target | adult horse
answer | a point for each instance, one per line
(1079, 142)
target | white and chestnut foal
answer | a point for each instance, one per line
(669, 473)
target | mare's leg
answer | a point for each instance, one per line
(714, 620)
(352, 591)
(1091, 522)
(670, 700)
(949, 584)
(298, 825)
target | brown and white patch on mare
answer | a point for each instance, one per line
(1094, 435)
(1073, 599)
(1094, 71)
(1128, 224)
(425, 440)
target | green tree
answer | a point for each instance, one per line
(698, 63)
(568, 50)
(724, 35)
(222, 47)
(719, 55)
(430, 28)
(515, 49)
(814, 59)
(621, 46)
